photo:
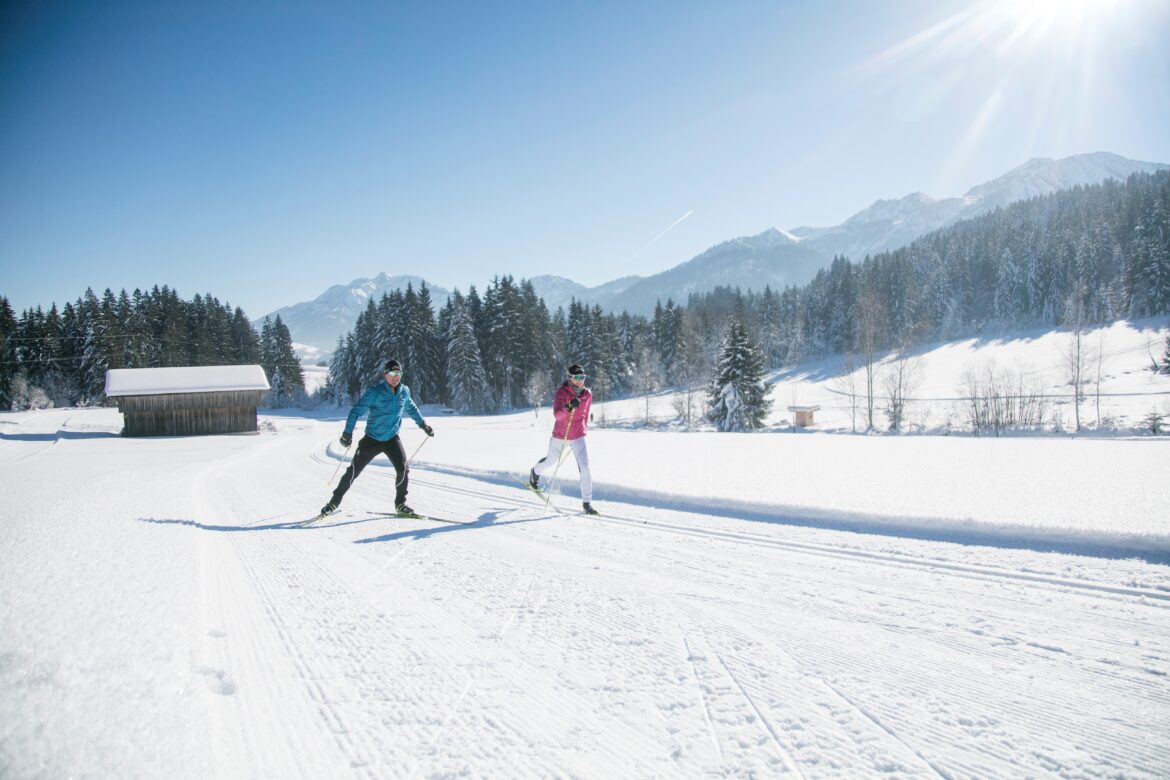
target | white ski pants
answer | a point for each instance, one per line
(580, 452)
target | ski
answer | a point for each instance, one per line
(310, 521)
(540, 494)
(416, 516)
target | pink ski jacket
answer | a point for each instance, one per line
(580, 416)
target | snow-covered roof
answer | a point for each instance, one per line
(184, 379)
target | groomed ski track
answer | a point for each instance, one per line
(643, 643)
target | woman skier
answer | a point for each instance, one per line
(571, 419)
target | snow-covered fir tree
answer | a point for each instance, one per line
(738, 394)
(280, 363)
(770, 328)
(8, 362)
(667, 334)
(415, 323)
(466, 390)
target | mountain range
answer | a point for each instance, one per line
(316, 325)
(774, 257)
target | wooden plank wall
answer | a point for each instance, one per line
(189, 414)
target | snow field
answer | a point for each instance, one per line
(161, 616)
(1129, 390)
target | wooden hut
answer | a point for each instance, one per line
(804, 414)
(187, 400)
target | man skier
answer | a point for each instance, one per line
(570, 419)
(386, 403)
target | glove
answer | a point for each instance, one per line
(573, 404)
(429, 430)
(346, 438)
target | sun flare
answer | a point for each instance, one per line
(1041, 63)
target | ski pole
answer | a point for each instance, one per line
(411, 460)
(560, 460)
(330, 482)
(416, 449)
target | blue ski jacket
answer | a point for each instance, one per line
(386, 407)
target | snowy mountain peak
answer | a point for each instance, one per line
(778, 236)
(769, 239)
(889, 224)
(885, 210)
(319, 322)
(1042, 175)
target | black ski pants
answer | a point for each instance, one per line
(366, 450)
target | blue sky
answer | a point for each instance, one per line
(265, 151)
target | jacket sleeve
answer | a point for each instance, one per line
(360, 408)
(559, 401)
(412, 409)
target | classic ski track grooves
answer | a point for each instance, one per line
(789, 764)
(957, 569)
(771, 676)
(869, 716)
(702, 694)
(1030, 582)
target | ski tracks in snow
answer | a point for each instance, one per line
(650, 643)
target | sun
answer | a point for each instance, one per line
(1010, 27)
(1031, 21)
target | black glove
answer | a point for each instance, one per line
(429, 430)
(346, 438)
(573, 404)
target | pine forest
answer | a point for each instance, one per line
(1081, 256)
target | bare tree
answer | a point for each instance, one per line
(1099, 363)
(846, 384)
(871, 326)
(692, 370)
(647, 376)
(900, 381)
(536, 389)
(1076, 349)
(999, 400)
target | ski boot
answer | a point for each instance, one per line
(588, 509)
(533, 480)
(402, 510)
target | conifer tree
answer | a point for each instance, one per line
(8, 362)
(738, 392)
(280, 363)
(428, 348)
(465, 373)
(536, 350)
(503, 341)
(558, 337)
(770, 328)
(245, 342)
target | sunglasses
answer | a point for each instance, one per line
(393, 373)
(576, 376)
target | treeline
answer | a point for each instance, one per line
(1089, 254)
(59, 357)
(1085, 255)
(484, 353)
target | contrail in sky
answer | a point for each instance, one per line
(660, 235)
